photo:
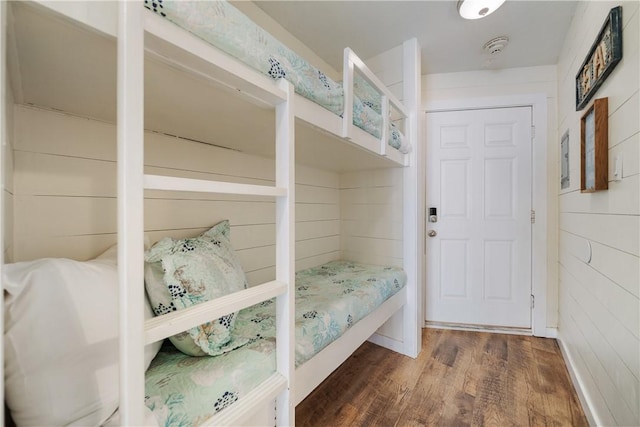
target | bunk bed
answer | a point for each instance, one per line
(364, 118)
(360, 103)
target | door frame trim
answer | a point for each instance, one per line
(539, 264)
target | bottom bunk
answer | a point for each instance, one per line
(332, 300)
(338, 306)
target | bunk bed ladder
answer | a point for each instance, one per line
(135, 333)
(130, 129)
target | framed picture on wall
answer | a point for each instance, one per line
(594, 147)
(564, 161)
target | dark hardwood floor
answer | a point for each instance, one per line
(459, 379)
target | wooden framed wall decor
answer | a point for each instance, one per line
(604, 55)
(564, 161)
(594, 147)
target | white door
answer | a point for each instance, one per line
(479, 250)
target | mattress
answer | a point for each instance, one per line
(182, 390)
(228, 29)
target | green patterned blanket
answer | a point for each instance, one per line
(225, 27)
(184, 391)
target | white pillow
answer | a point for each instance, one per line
(61, 340)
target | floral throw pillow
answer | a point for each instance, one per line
(185, 272)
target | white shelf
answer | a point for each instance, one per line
(170, 183)
(161, 327)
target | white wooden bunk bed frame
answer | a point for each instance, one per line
(139, 30)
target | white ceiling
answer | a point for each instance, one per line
(536, 30)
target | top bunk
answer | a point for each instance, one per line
(201, 85)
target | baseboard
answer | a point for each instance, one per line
(386, 342)
(477, 328)
(578, 384)
(551, 333)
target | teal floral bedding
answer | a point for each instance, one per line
(228, 29)
(183, 391)
(332, 297)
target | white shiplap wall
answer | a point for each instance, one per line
(65, 190)
(599, 302)
(371, 216)
(371, 225)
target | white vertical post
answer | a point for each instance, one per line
(285, 257)
(347, 89)
(384, 132)
(130, 210)
(3, 147)
(413, 198)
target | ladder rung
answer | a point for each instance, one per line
(178, 321)
(248, 404)
(171, 183)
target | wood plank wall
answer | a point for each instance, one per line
(371, 224)
(65, 192)
(599, 322)
(371, 216)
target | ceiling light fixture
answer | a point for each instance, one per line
(476, 9)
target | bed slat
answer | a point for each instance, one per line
(170, 324)
(170, 183)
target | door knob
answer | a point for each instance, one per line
(432, 233)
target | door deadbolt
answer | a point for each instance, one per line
(433, 215)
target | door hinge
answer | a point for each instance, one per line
(533, 302)
(533, 131)
(533, 216)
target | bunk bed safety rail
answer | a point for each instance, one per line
(162, 327)
(388, 99)
(384, 137)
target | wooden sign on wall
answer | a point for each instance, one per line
(594, 147)
(604, 55)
